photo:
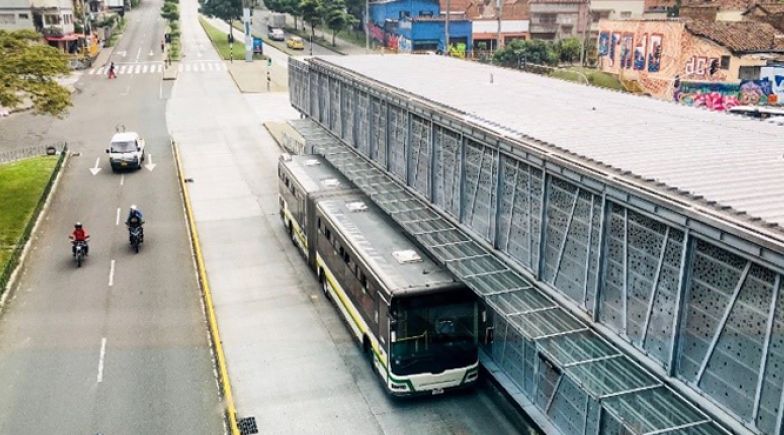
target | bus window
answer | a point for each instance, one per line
(433, 333)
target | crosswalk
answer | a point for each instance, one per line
(142, 68)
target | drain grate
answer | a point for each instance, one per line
(247, 425)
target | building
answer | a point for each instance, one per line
(582, 218)
(771, 13)
(703, 63)
(16, 15)
(558, 19)
(614, 10)
(484, 15)
(417, 26)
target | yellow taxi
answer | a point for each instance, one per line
(295, 43)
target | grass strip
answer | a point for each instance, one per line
(221, 43)
(21, 185)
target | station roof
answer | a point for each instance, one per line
(731, 166)
(315, 174)
(638, 400)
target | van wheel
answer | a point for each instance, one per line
(368, 351)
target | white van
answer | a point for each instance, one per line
(126, 151)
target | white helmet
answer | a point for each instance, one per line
(133, 207)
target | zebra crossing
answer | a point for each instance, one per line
(142, 68)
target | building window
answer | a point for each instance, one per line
(404, 14)
(567, 30)
(52, 19)
(725, 62)
(425, 13)
(749, 73)
(548, 18)
(626, 14)
(24, 16)
(7, 19)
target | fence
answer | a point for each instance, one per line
(30, 151)
(13, 260)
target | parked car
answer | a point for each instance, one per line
(276, 34)
(295, 43)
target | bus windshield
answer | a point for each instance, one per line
(434, 333)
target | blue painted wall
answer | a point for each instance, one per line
(415, 32)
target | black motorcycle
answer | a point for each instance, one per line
(79, 251)
(136, 237)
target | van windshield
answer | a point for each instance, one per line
(124, 147)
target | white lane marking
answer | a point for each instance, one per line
(187, 68)
(121, 70)
(150, 165)
(181, 67)
(111, 274)
(138, 69)
(138, 53)
(210, 66)
(117, 219)
(96, 169)
(144, 69)
(100, 360)
(160, 68)
(122, 179)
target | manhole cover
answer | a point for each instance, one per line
(247, 425)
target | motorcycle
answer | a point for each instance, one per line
(80, 249)
(135, 237)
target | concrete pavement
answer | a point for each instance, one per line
(292, 363)
(119, 345)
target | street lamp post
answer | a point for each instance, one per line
(367, 26)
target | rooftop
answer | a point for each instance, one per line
(725, 165)
(381, 242)
(740, 36)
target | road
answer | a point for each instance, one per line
(292, 362)
(120, 345)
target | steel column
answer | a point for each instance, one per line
(766, 347)
(565, 235)
(601, 261)
(407, 149)
(655, 286)
(461, 211)
(588, 251)
(529, 229)
(683, 275)
(542, 226)
(722, 323)
(625, 297)
(512, 207)
(431, 184)
(494, 227)
(387, 132)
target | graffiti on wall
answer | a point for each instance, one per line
(712, 96)
(390, 40)
(639, 52)
(616, 39)
(626, 50)
(604, 41)
(704, 68)
(655, 54)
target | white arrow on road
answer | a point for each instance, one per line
(122, 53)
(150, 165)
(96, 169)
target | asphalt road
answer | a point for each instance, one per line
(118, 346)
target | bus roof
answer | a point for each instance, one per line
(314, 174)
(401, 267)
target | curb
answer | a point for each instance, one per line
(175, 67)
(220, 357)
(8, 290)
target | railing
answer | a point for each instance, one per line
(13, 260)
(31, 151)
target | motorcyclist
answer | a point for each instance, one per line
(136, 219)
(78, 235)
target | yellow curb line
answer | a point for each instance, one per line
(223, 373)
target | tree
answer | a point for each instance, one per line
(355, 8)
(228, 10)
(568, 50)
(28, 71)
(336, 17)
(311, 13)
(170, 12)
(521, 51)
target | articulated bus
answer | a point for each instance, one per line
(416, 323)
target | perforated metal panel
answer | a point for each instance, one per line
(334, 106)
(361, 132)
(518, 221)
(568, 406)
(446, 177)
(323, 99)
(313, 92)
(480, 181)
(348, 103)
(773, 377)
(378, 137)
(419, 163)
(398, 134)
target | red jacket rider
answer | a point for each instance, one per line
(79, 234)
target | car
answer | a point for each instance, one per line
(126, 151)
(295, 43)
(276, 34)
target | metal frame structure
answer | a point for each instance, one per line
(661, 252)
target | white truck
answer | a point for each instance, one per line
(126, 151)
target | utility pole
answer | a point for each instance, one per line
(367, 26)
(446, 28)
(586, 25)
(500, 11)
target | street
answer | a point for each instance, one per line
(120, 345)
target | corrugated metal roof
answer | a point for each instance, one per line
(736, 164)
